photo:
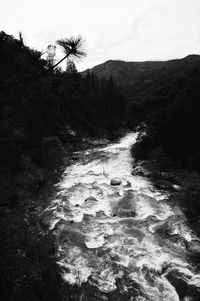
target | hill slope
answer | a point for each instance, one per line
(165, 97)
(43, 116)
(129, 73)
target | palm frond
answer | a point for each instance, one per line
(36, 184)
(73, 47)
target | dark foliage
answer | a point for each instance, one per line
(42, 113)
(167, 110)
(39, 107)
(169, 107)
(165, 97)
(190, 196)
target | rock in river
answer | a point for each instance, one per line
(115, 182)
(140, 171)
(194, 246)
(90, 200)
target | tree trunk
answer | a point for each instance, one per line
(60, 61)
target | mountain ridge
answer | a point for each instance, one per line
(130, 72)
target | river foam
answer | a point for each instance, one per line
(106, 233)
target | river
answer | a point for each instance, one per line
(124, 242)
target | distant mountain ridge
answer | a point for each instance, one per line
(129, 73)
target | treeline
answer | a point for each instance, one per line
(44, 113)
(167, 110)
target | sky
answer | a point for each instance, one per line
(130, 30)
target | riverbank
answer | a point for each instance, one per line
(106, 241)
(123, 240)
(44, 117)
(28, 267)
(183, 184)
(28, 252)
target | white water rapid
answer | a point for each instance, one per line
(123, 236)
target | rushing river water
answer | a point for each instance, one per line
(120, 238)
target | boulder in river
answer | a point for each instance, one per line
(140, 171)
(115, 182)
(87, 218)
(126, 207)
(90, 200)
(100, 214)
(194, 246)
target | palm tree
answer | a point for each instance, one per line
(73, 49)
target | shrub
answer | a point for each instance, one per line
(190, 195)
(160, 161)
(52, 152)
(194, 161)
(36, 184)
(141, 149)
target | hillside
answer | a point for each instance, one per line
(130, 73)
(44, 116)
(165, 97)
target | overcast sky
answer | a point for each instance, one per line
(132, 30)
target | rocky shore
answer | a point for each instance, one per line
(177, 182)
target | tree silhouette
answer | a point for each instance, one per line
(73, 49)
(21, 40)
(71, 67)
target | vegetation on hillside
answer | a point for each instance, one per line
(167, 112)
(41, 109)
(162, 97)
(44, 113)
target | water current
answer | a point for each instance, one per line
(125, 237)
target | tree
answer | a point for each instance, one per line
(51, 52)
(73, 49)
(71, 67)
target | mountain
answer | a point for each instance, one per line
(164, 97)
(130, 73)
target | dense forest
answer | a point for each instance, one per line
(162, 97)
(45, 113)
(169, 109)
(43, 110)
(166, 111)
